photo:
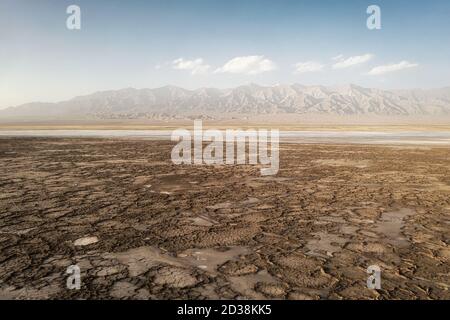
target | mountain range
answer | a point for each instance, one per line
(171, 102)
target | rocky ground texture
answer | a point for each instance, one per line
(140, 227)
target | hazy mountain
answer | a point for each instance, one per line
(176, 103)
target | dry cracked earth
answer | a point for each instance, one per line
(140, 227)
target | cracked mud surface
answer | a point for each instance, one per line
(140, 227)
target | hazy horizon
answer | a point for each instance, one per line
(225, 88)
(217, 44)
(227, 152)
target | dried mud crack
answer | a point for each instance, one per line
(140, 227)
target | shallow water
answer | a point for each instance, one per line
(391, 224)
(364, 137)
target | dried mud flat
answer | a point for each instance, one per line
(140, 227)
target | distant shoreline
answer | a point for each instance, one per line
(423, 125)
(423, 137)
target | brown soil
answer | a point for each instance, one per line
(140, 227)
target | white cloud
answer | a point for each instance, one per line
(351, 61)
(392, 67)
(196, 66)
(248, 65)
(309, 66)
(338, 57)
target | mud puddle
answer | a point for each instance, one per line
(391, 224)
(247, 285)
(325, 244)
(210, 259)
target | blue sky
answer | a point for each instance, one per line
(197, 43)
